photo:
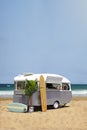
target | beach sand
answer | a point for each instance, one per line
(71, 117)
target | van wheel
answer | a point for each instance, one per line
(56, 105)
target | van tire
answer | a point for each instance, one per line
(56, 105)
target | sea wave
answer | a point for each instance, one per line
(79, 92)
(6, 93)
(74, 93)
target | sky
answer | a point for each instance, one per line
(43, 36)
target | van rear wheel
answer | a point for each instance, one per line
(56, 105)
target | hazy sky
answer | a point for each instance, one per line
(43, 36)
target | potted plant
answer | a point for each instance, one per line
(30, 87)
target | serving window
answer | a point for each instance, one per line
(49, 86)
(64, 86)
(53, 86)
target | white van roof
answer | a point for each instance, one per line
(49, 78)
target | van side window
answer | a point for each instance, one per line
(20, 85)
(50, 86)
(65, 86)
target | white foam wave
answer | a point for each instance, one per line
(74, 93)
(6, 93)
(79, 92)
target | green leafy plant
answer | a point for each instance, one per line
(30, 87)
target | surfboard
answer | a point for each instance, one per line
(43, 94)
(17, 107)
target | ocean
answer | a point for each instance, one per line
(7, 90)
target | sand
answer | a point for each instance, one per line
(71, 117)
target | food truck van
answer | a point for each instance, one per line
(58, 89)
